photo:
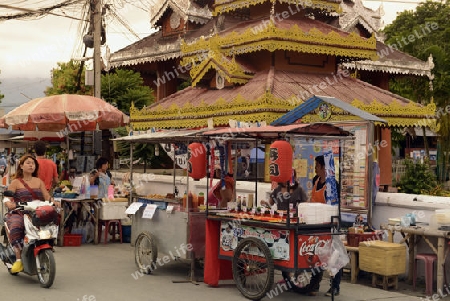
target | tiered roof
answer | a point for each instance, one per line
(272, 93)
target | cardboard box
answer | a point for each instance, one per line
(113, 210)
(382, 257)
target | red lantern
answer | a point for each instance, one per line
(197, 161)
(280, 165)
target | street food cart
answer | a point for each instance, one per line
(258, 243)
(162, 222)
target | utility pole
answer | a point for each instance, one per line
(97, 41)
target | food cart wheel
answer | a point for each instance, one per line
(145, 252)
(299, 283)
(253, 269)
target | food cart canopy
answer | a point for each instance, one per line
(166, 136)
(314, 102)
(322, 130)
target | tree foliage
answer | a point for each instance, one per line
(124, 87)
(427, 39)
(121, 87)
(68, 78)
(430, 22)
(418, 178)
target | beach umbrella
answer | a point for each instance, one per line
(66, 113)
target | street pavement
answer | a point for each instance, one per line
(108, 272)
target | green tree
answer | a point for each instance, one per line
(430, 29)
(123, 87)
(145, 152)
(418, 178)
(68, 78)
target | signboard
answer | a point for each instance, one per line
(276, 240)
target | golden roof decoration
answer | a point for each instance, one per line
(225, 6)
(229, 68)
(291, 38)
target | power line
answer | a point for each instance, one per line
(30, 12)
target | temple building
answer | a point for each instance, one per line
(254, 61)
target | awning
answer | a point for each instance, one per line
(165, 136)
(322, 130)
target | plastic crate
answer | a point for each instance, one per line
(72, 240)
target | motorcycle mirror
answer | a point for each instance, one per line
(8, 193)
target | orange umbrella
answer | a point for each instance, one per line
(64, 112)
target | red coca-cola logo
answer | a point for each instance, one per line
(309, 246)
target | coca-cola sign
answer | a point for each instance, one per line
(310, 245)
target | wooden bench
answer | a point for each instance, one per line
(354, 263)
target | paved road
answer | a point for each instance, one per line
(105, 272)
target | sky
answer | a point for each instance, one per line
(31, 48)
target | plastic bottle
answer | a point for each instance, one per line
(238, 203)
(201, 199)
(183, 208)
(83, 188)
(244, 204)
(190, 202)
(195, 203)
(87, 189)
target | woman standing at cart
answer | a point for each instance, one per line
(102, 177)
(318, 195)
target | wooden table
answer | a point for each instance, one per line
(410, 235)
(91, 206)
(354, 263)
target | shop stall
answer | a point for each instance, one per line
(167, 222)
(258, 241)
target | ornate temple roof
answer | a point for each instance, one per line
(188, 10)
(394, 62)
(302, 35)
(354, 12)
(158, 48)
(272, 93)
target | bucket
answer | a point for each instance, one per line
(126, 233)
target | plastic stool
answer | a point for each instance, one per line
(108, 224)
(428, 260)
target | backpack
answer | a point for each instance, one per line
(2, 170)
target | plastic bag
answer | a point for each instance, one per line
(333, 255)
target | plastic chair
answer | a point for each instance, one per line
(428, 260)
(110, 224)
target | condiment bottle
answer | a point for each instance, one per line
(190, 201)
(238, 203)
(201, 199)
(194, 203)
(184, 201)
(244, 204)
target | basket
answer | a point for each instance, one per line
(382, 257)
(72, 240)
(353, 239)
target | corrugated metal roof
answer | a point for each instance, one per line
(313, 103)
(270, 131)
(159, 136)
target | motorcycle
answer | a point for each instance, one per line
(41, 232)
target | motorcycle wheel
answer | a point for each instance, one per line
(46, 273)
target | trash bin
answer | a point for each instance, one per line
(126, 233)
